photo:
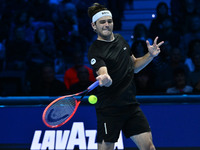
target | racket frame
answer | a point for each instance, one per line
(77, 103)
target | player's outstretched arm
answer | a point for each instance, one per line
(141, 62)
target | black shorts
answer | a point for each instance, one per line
(111, 121)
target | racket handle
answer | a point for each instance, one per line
(94, 85)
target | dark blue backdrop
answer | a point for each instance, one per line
(173, 124)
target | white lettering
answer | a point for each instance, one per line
(91, 140)
(119, 143)
(61, 139)
(36, 138)
(77, 136)
(49, 139)
(66, 139)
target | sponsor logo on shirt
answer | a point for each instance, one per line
(93, 61)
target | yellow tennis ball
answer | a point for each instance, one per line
(92, 99)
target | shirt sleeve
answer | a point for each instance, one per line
(95, 60)
(96, 63)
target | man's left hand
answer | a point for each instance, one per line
(154, 49)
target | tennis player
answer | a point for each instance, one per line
(115, 65)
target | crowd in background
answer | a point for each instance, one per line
(40, 40)
(176, 70)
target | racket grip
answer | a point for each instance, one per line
(94, 85)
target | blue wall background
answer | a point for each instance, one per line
(173, 124)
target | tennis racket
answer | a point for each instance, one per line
(62, 109)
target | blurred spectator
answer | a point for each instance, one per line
(70, 76)
(2, 6)
(49, 27)
(194, 46)
(84, 81)
(177, 11)
(23, 19)
(194, 77)
(117, 9)
(194, 33)
(156, 25)
(141, 32)
(189, 11)
(180, 83)
(40, 10)
(66, 27)
(181, 11)
(197, 4)
(2, 56)
(47, 84)
(144, 79)
(168, 32)
(169, 60)
(75, 43)
(12, 7)
(177, 61)
(164, 74)
(12, 83)
(84, 20)
(65, 20)
(129, 5)
(17, 50)
(145, 82)
(70, 16)
(42, 50)
(161, 68)
(5, 24)
(139, 37)
(59, 64)
(139, 48)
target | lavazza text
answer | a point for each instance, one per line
(68, 139)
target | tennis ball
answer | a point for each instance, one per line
(92, 99)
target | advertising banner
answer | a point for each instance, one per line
(173, 126)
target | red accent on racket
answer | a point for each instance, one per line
(62, 109)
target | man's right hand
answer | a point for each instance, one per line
(104, 80)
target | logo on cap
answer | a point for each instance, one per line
(103, 13)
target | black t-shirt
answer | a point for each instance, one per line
(116, 56)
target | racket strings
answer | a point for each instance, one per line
(60, 111)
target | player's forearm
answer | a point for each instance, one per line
(102, 70)
(142, 62)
